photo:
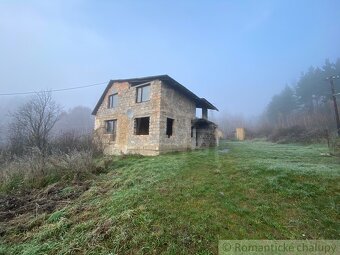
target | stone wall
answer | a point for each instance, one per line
(182, 110)
(206, 133)
(165, 102)
(125, 113)
(206, 137)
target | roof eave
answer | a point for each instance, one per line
(95, 110)
(204, 103)
(200, 102)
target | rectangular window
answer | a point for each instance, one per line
(142, 126)
(113, 100)
(143, 93)
(169, 126)
(111, 126)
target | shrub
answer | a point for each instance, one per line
(72, 140)
(34, 170)
(298, 134)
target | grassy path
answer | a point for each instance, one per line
(183, 203)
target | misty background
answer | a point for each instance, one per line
(236, 54)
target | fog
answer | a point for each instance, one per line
(235, 54)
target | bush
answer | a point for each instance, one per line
(69, 156)
(263, 132)
(298, 134)
(72, 140)
(34, 170)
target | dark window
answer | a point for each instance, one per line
(142, 126)
(113, 100)
(111, 126)
(143, 94)
(169, 126)
(192, 131)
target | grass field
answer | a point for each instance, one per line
(183, 203)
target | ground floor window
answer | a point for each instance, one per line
(142, 126)
(111, 127)
(169, 126)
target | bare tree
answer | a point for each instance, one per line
(32, 123)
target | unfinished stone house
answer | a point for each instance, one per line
(152, 115)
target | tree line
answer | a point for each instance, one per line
(308, 103)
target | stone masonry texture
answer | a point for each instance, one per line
(165, 102)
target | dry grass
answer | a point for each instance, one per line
(35, 170)
(183, 203)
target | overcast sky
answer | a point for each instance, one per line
(237, 54)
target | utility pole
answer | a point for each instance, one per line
(331, 80)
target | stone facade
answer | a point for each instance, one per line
(165, 102)
(206, 133)
(182, 110)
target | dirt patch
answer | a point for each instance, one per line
(39, 201)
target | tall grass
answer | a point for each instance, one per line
(70, 157)
(34, 170)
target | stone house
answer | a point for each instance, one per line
(152, 115)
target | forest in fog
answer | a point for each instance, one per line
(303, 110)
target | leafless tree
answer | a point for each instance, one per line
(32, 123)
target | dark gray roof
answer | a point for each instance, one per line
(199, 122)
(200, 102)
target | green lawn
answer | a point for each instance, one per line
(183, 203)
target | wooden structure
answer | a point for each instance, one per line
(240, 134)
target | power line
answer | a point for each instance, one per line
(51, 90)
